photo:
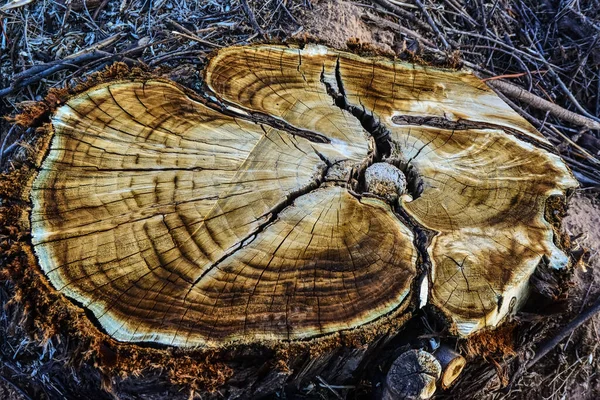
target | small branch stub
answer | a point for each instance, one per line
(412, 376)
(452, 365)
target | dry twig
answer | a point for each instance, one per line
(521, 94)
(582, 318)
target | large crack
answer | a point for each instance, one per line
(272, 214)
(385, 150)
(379, 132)
(384, 145)
(465, 124)
(382, 136)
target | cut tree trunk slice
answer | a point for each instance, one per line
(305, 193)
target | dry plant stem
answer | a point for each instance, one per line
(252, 18)
(433, 24)
(100, 8)
(190, 35)
(399, 12)
(551, 130)
(564, 332)
(5, 140)
(37, 73)
(537, 102)
(15, 387)
(86, 60)
(329, 387)
(196, 39)
(498, 42)
(566, 90)
(584, 152)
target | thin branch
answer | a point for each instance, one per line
(399, 12)
(520, 94)
(564, 332)
(381, 22)
(252, 18)
(433, 24)
(6, 138)
(15, 387)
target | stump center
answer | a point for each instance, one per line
(386, 181)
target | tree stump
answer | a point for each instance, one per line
(288, 219)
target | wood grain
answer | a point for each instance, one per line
(486, 172)
(162, 217)
(243, 216)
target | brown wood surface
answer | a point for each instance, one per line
(242, 217)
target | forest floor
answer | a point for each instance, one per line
(550, 48)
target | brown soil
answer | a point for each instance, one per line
(578, 359)
(337, 22)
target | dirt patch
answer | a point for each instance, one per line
(577, 358)
(337, 22)
(582, 223)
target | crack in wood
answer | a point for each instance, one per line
(272, 217)
(367, 119)
(227, 108)
(465, 124)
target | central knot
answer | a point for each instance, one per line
(386, 181)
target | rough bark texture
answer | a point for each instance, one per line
(238, 222)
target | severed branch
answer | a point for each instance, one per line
(518, 93)
(252, 18)
(564, 332)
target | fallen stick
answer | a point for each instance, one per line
(564, 332)
(15, 387)
(37, 73)
(399, 12)
(5, 140)
(518, 93)
(252, 18)
(373, 19)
